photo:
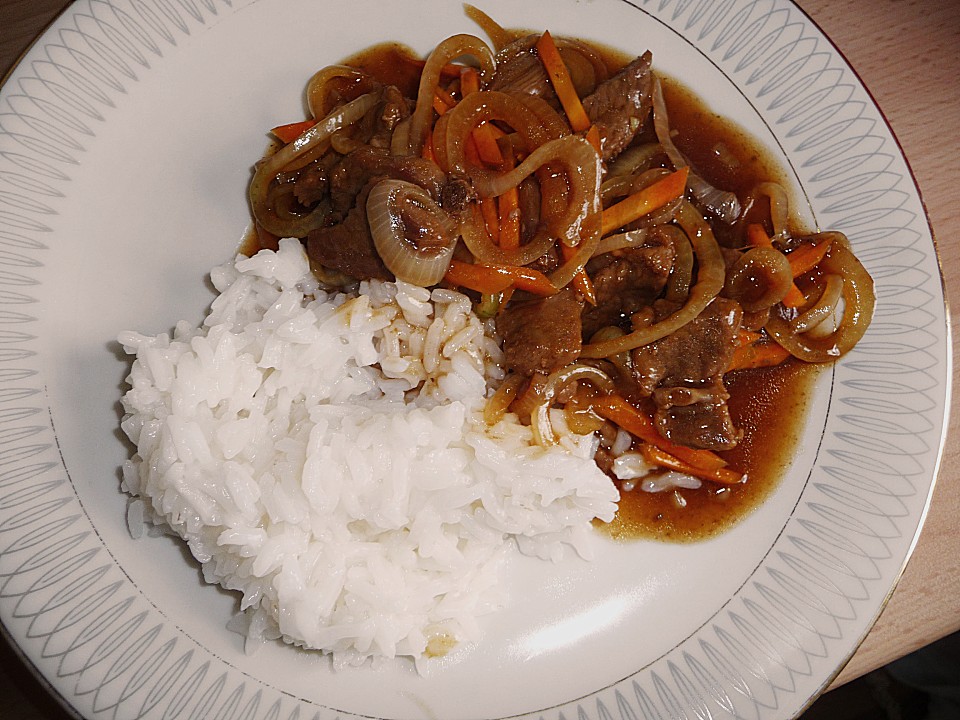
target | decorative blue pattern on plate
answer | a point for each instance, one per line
(67, 593)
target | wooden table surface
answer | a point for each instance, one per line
(907, 53)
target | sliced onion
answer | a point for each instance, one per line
(576, 225)
(710, 277)
(413, 235)
(779, 207)
(497, 404)
(317, 86)
(681, 274)
(620, 241)
(858, 304)
(314, 141)
(526, 117)
(498, 35)
(722, 203)
(559, 379)
(448, 50)
(825, 307)
(759, 279)
(634, 158)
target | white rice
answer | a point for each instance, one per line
(325, 455)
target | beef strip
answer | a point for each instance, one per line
(683, 372)
(620, 105)
(705, 425)
(625, 281)
(456, 194)
(542, 335)
(519, 70)
(356, 170)
(311, 184)
(348, 246)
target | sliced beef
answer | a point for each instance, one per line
(626, 281)
(348, 246)
(311, 184)
(701, 419)
(683, 373)
(620, 105)
(456, 194)
(542, 335)
(519, 70)
(365, 163)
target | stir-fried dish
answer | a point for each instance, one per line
(626, 287)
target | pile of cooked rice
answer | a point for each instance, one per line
(325, 454)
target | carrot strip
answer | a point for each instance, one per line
(562, 84)
(581, 281)
(593, 137)
(794, 297)
(806, 257)
(469, 81)
(291, 131)
(485, 137)
(481, 278)
(757, 355)
(497, 278)
(442, 101)
(757, 236)
(644, 201)
(656, 456)
(746, 337)
(528, 279)
(488, 209)
(639, 424)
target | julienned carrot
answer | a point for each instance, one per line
(593, 137)
(639, 424)
(644, 201)
(581, 281)
(806, 257)
(528, 279)
(562, 84)
(442, 100)
(488, 209)
(657, 456)
(481, 278)
(485, 138)
(291, 131)
(484, 135)
(746, 337)
(757, 355)
(469, 81)
(497, 278)
(758, 237)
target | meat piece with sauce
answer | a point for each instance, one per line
(620, 105)
(542, 335)
(348, 246)
(625, 281)
(365, 163)
(683, 373)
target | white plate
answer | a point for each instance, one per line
(126, 138)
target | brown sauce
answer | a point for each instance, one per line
(769, 405)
